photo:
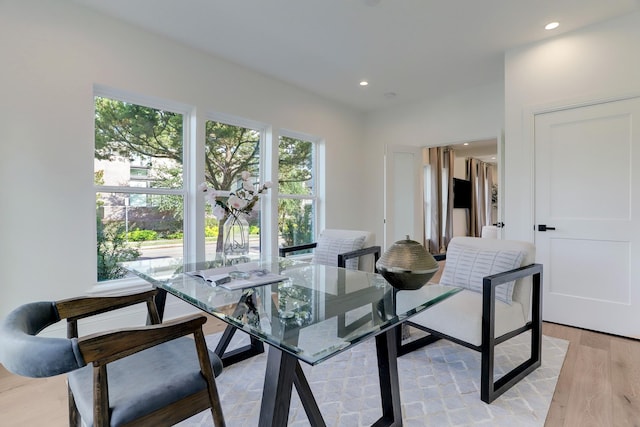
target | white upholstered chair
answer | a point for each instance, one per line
(489, 232)
(352, 249)
(502, 299)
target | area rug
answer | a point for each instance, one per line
(439, 386)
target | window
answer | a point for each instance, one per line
(142, 165)
(229, 151)
(138, 176)
(297, 191)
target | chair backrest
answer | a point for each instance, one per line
(24, 353)
(366, 262)
(522, 288)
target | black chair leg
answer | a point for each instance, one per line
(490, 390)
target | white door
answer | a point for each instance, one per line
(403, 194)
(587, 187)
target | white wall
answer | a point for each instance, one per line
(52, 55)
(596, 63)
(463, 116)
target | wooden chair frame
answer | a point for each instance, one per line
(102, 348)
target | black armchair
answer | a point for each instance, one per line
(342, 248)
(502, 299)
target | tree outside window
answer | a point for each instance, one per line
(138, 167)
(297, 191)
(138, 179)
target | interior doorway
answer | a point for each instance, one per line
(486, 151)
(461, 191)
(406, 198)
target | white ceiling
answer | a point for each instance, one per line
(412, 49)
(485, 150)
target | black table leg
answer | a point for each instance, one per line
(283, 371)
(246, 306)
(237, 355)
(306, 397)
(161, 301)
(389, 382)
(276, 394)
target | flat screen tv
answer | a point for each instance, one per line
(461, 193)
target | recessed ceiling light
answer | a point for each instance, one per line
(364, 83)
(552, 26)
(466, 143)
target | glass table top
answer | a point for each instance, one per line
(313, 312)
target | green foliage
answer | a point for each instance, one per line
(295, 223)
(295, 177)
(175, 236)
(139, 132)
(123, 129)
(98, 177)
(211, 226)
(112, 249)
(295, 165)
(142, 235)
(211, 231)
(230, 150)
(254, 229)
(168, 177)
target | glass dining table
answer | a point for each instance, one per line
(303, 312)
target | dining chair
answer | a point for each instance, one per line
(353, 249)
(150, 375)
(501, 298)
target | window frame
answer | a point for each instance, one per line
(193, 137)
(316, 144)
(264, 141)
(187, 113)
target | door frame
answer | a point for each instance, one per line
(389, 195)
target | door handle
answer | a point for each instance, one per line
(499, 224)
(544, 227)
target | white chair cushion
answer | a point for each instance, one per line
(466, 266)
(328, 247)
(460, 316)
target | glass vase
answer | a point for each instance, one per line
(236, 237)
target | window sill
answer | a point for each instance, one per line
(118, 287)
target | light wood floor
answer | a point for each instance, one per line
(599, 386)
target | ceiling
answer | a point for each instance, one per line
(485, 150)
(407, 49)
